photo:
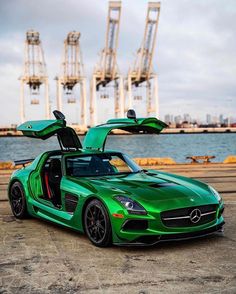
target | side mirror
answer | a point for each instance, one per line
(131, 114)
(59, 115)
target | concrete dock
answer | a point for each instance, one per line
(38, 257)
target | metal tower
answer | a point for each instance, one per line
(106, 71)
(142, 72)
(72, 75)
(35, 73)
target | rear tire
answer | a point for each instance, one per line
(97, 224)
(18, 201)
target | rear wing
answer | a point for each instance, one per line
(23, 162)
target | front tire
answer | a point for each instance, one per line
(97, 224)
(18, 201)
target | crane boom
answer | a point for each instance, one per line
(143, 66)
(108, 67)
(142, 71)
(72, 74)
(35, 66)
(72, 65)
(35, 73)
(107, 71)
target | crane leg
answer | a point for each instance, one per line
(83, 103)
(130, 94)
(93, 102)
(156, 97)
(47, 103)
(122, 99)
(117, 99)
(59, 95)
(149, 97)
(22, 102)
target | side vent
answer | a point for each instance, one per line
(71, 202)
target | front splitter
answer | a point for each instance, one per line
(152, 240)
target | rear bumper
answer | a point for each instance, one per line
(149, 240)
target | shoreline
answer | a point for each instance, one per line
(149, 163)
(168, 131)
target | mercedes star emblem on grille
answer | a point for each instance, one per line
(195, 216)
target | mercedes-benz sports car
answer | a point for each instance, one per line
(105, 193)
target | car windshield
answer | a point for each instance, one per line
(101, 164)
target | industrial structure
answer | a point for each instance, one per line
(142, 75)
(34, 74)
(106, 73)
(72, 76)
(106, 82)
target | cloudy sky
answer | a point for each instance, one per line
(195, 55)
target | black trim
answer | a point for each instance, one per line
(149, 240)
(183, 236)
(221, 211)
(71, 202)
(59, 115)
(135, 224)
(163, 185)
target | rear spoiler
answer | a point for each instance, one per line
(23, 161)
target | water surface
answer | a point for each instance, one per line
(177, 146)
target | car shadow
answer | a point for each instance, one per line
(180, 244)
(167, 245)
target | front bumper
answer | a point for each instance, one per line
(152, 230)
(149, 240)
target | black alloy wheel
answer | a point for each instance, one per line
(17, 201)
(97, 224)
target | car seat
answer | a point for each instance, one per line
(54, 179)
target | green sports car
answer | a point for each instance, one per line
(105, 193)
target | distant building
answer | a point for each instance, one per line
(168, 118)
(221, 119)
(208, 119)
(214, 120)
(187, 118)
(178, 119)
(226, 121)
(186, 124)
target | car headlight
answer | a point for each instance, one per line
(132, 206)
(216, 194)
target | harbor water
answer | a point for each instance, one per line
(177, 146)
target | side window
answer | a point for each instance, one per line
(78, 166)
(50, 159)
(119, 165)
(96, 164)
(51, 175)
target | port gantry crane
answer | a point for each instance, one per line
(107, 71)
(72, 75)
(34, 74)
(142, 72)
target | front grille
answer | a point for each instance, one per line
(190, 216)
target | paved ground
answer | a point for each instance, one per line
(38, 257)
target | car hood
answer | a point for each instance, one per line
(155, 189)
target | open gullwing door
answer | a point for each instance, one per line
(96, 136)
(44, 129)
